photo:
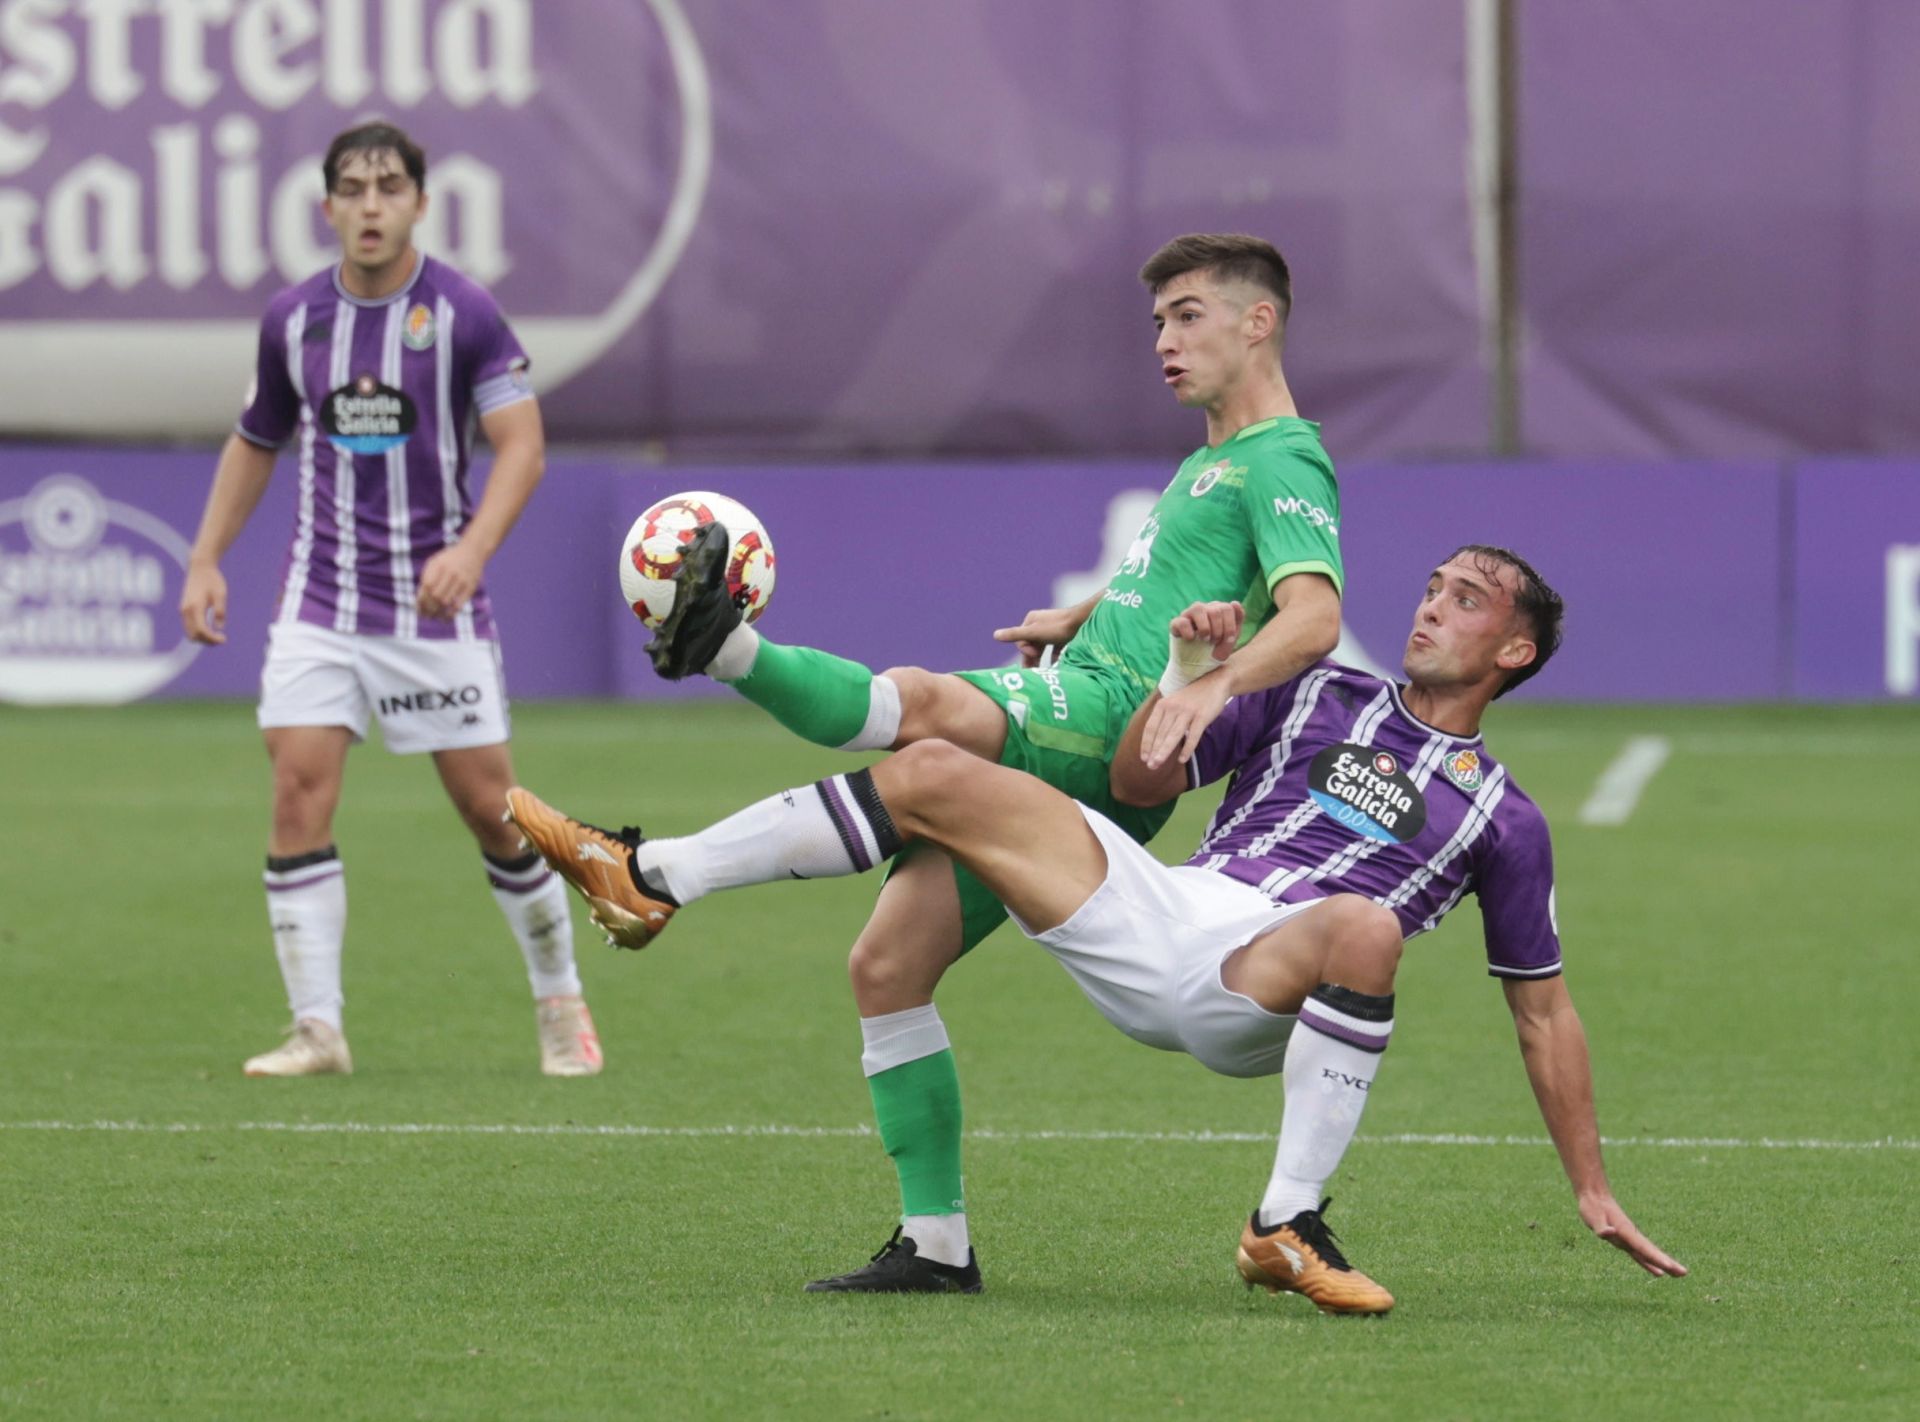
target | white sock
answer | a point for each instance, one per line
(1328, 1077)
(941, 1238)
(534, 900)
(307, 907)
(882, 725)
(834, 827)
(736, 655)
(892, 1039)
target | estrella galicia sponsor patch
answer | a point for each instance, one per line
(1463, 769)
(367, 417)
(1208, 477)
(1364, 788)
(418, 332)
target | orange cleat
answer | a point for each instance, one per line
(1303, 1257)
(599, 864)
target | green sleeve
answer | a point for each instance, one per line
(1293, 505)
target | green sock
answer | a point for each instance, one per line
(813, 694)
(918, 1108)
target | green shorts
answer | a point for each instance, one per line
(1063, 726)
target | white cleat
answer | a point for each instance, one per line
(312, 1048)
(568, 1044)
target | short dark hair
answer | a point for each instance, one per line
(1533, 600)
(1225, 256)
(375, 136)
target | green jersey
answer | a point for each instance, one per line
(1237, 518)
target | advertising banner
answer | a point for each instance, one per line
(1856, 580)
(93, 548)
(1674, 576)
(1671, 572)
(1719, 214)
(807, 229)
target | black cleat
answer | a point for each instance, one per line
(703, 611)
(899, 1269)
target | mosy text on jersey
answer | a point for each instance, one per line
(1224, 530)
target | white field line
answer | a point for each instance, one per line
(483, 1128)
(1618, 789)
(1732, 743)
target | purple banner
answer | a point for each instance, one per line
(93, 547)
(1856, 585)
(788, 229)
(936, 557)
(1671, 573)
(1674, 575)
(1719, 216)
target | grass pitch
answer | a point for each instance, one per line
(449, 1235)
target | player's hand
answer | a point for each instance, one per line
(1218, 623)
(1177, 722)
(449, 581)
(203, 604)
(1606, 1219)
(1042, 628)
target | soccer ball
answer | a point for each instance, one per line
(650, 556)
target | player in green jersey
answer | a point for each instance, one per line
(1252, 516)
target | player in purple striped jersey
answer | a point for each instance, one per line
(374, 371)
(1360, 813)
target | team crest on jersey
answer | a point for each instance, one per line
(418, 332)
(1208, 477)
(1463, 769)
(1365, 789)
(368, 417)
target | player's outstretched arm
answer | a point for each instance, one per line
(1305, 627)
(238, 482)
(452, 576)
(1046, 627)
(1554, 1045)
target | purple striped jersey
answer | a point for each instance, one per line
(1338, 788)
(379, 399)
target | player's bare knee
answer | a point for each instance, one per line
(1365, 942)
(302, 816)
(297, 788)
(919, 700)
(874, 973)
(917, 779)
(893, 972)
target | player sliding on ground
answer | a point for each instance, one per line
(1360, 813)
(1252, 515)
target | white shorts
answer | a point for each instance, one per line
(1147, 949)
(428, 696)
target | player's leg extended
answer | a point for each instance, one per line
(822, 698)
(841, 704)
(534, 902)
(306, 891)
(1025, 840)
(1334, 966)
(908, 943)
